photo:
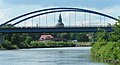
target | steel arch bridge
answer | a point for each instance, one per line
(54, 29)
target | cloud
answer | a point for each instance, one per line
(1, 15)
(114, 11)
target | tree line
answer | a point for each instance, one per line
(22, 40)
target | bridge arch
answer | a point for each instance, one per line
(53, 10)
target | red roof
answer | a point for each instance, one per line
(44, 37)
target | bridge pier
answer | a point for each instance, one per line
(2, 38)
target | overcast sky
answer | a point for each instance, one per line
(76, 3)
(12, 8)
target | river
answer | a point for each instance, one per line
(48, 56)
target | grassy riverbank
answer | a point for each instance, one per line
(83, 44)
(39, 44)
(36, 44)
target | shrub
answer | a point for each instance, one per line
(14, 47)
(7, 44)
(51, 44)
(108, 51)
(37, 44)
(1, 47)
(95, 48)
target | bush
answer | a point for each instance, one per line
(95, 48)
(7, 45)
(1, 47)
(106, 51)
(37, 44)
(14, 47)
(50, 44)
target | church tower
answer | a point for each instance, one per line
(60, 24)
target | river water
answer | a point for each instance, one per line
(48, 56)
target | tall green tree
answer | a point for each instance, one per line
(28, 40)
(16, 39)
(82, 37)
(65, 36)
(35, 36)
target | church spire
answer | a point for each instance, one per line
(60, 19)
(60, 24)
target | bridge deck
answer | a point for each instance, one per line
(54, 29)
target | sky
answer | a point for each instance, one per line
(12, 8)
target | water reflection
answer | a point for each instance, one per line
(46, 56)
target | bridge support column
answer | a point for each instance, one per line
(2, 38)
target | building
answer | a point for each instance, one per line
(60, 24)
(46, 37)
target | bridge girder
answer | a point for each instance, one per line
(52, 10)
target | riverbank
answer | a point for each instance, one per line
(39, 44)
(106, 52)
(36, 44)
(83, 44)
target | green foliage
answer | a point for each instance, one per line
(8, 36)
(109, 51)
(28, 39)
(14, 47)
(23, 36)
(107, 46)
(72, 36)
(1, 47)
(82, 37)
(96, 47)
(16, 40)
(8, 45)
(116, 33)
(51, 44)
(37, 44)
(103, 35)
(65, 35)
(105, 52)
(34, 36)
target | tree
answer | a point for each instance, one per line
(8, 36)
(116, 34)
(65, 35)
(73, 36)
(16, 39)
(28, 40)
(103, 35)
(23, 36)
(7, 44)
(35, 36)
(82, 37)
